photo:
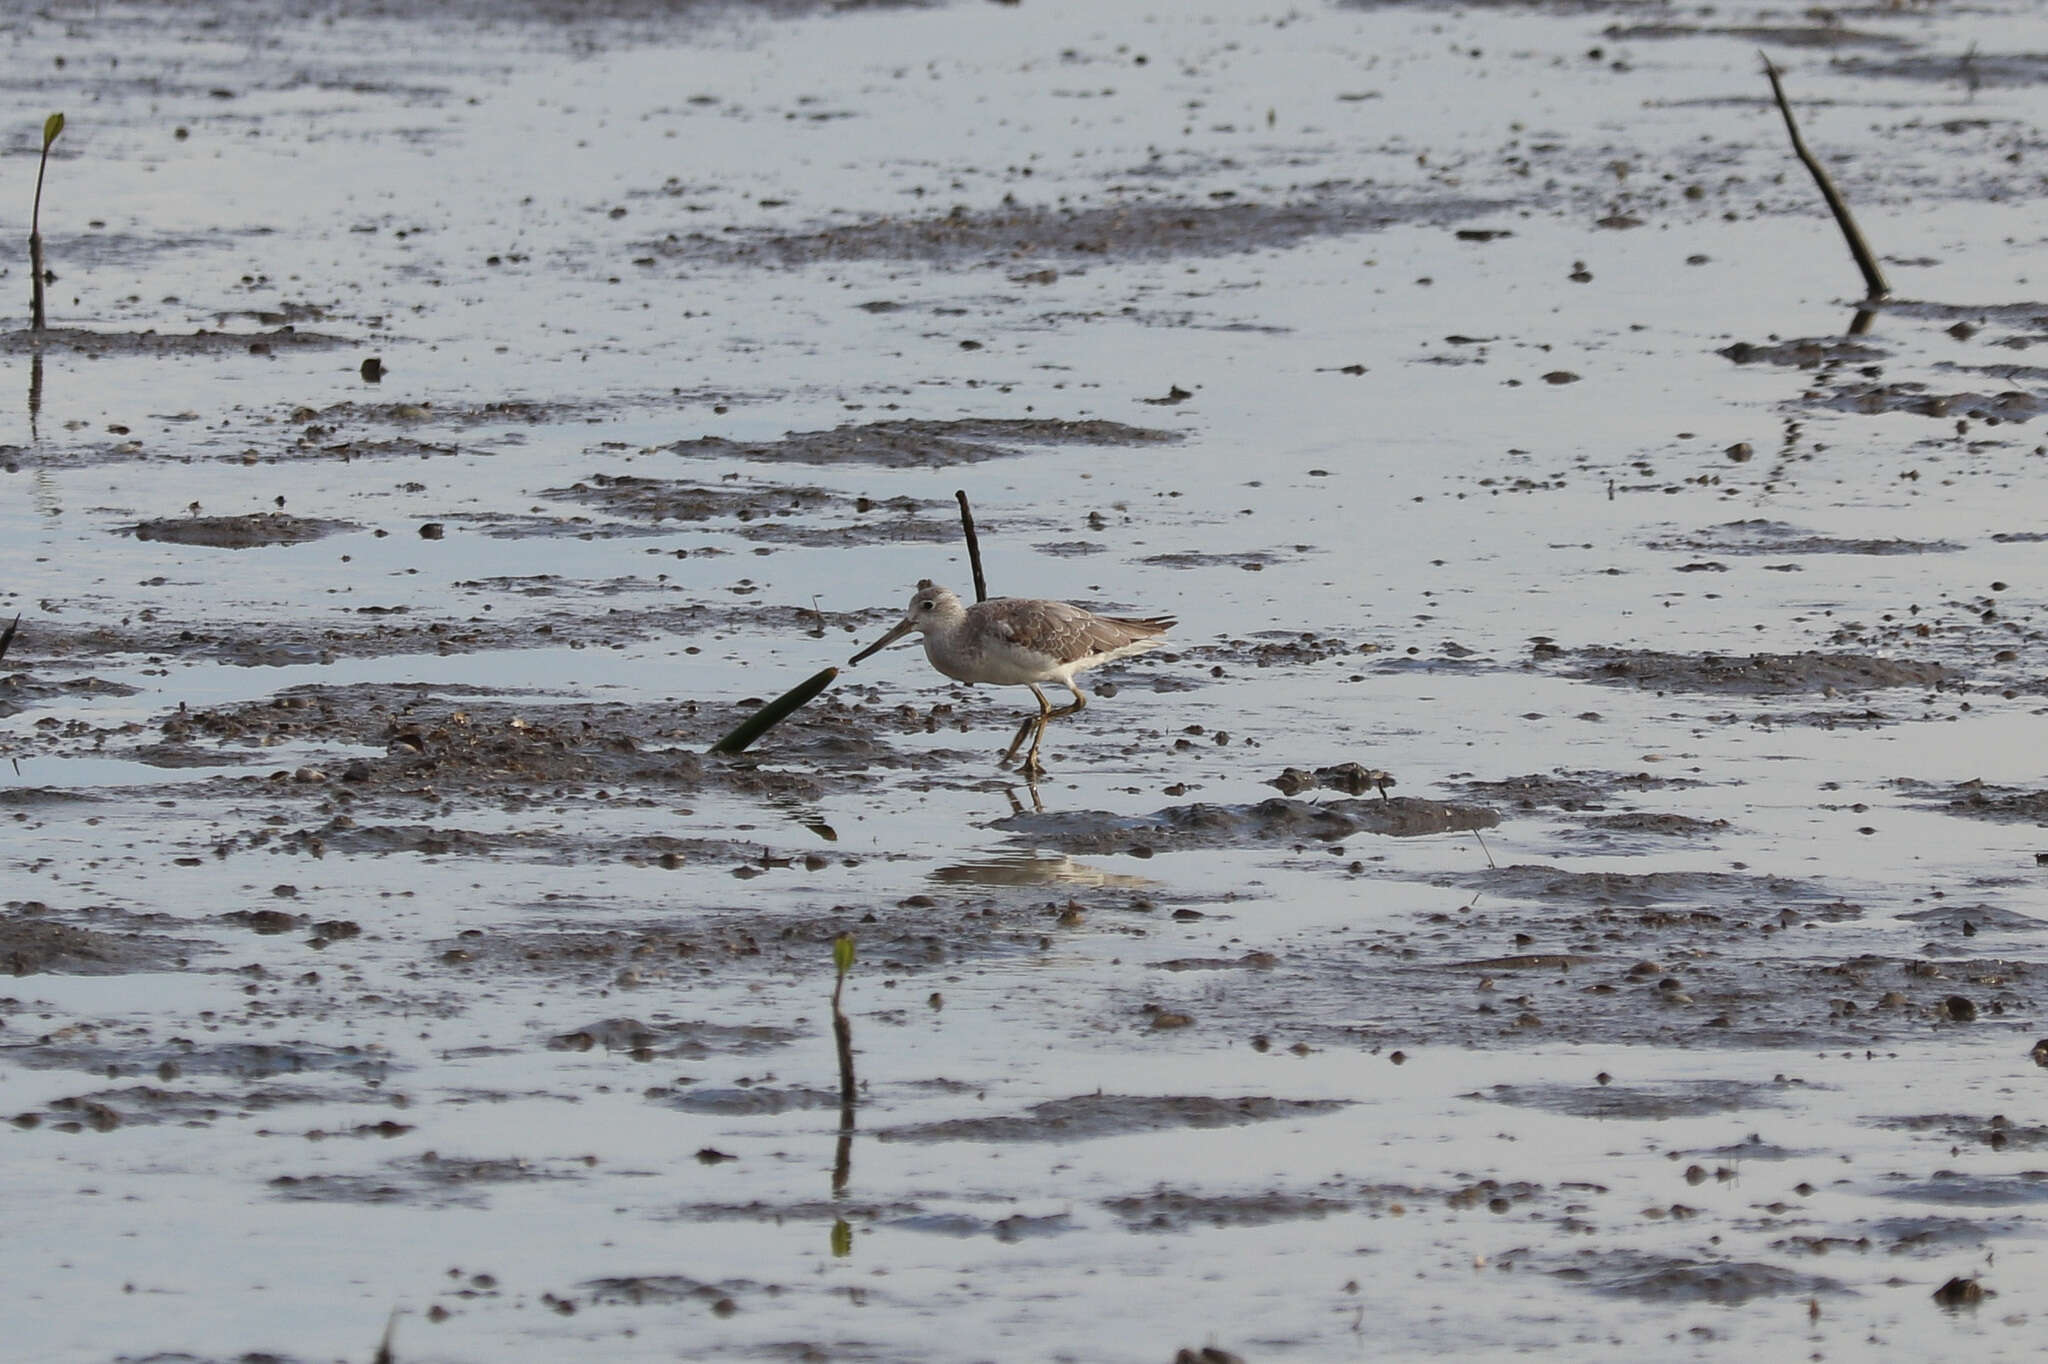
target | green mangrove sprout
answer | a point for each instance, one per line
(52, 126)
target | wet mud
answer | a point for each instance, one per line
(1577, 856)
(1128, 231)
(429, 1181)
(1976, 800)
(239, 532)
(97, 344)
(30, 943)
(1772, 537)
(1758, 673)
(1200, 825)
(1086, 1117)
(922, 444)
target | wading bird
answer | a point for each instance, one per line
(1019, 641)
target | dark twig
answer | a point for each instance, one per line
(35, 288)
(973, 547)
(774, 713)
(7, 636)
(1873, 278)
(842, 1036)
(842, 1027)
(842, 1163)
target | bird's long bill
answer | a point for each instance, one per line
(902, 628)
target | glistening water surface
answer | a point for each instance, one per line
(1483, 389)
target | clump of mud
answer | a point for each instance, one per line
(1568, 790)
(1351, 778)
(18, 691)
(923, 444)
(1672, 1280)
(1277, 820)
(1981, 800)
(1760, 536)
(1804, 352)
(1756, 674)
(1088, 1116)
(768, 513)
(239, 532)
(1126, 231)
(1871, 399)
(79, 341)
(428, 1180)
(34, 939)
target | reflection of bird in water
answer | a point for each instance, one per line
(1019, 641)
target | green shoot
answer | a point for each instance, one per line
(52, 126)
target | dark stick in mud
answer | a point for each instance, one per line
(842, 1037)
(842, 1027)
(973, 547)
(52, 126)
(1873, 278)
(7, 636)
(775, 712)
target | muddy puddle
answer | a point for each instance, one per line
(1573, 881)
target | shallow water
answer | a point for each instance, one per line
(385, 944)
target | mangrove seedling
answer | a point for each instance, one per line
(842, 1027)
(842, 1034)
(52, 126)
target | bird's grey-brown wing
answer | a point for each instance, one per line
(1065, 632)
(1143, 627)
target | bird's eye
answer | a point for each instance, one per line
(927, 604)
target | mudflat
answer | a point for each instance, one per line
(1572, 884)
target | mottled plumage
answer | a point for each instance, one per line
(1019, 641)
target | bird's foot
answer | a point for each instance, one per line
(1023, 733)
(1030, 768)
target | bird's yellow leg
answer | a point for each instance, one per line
(1031, 763)
(1030, 722)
